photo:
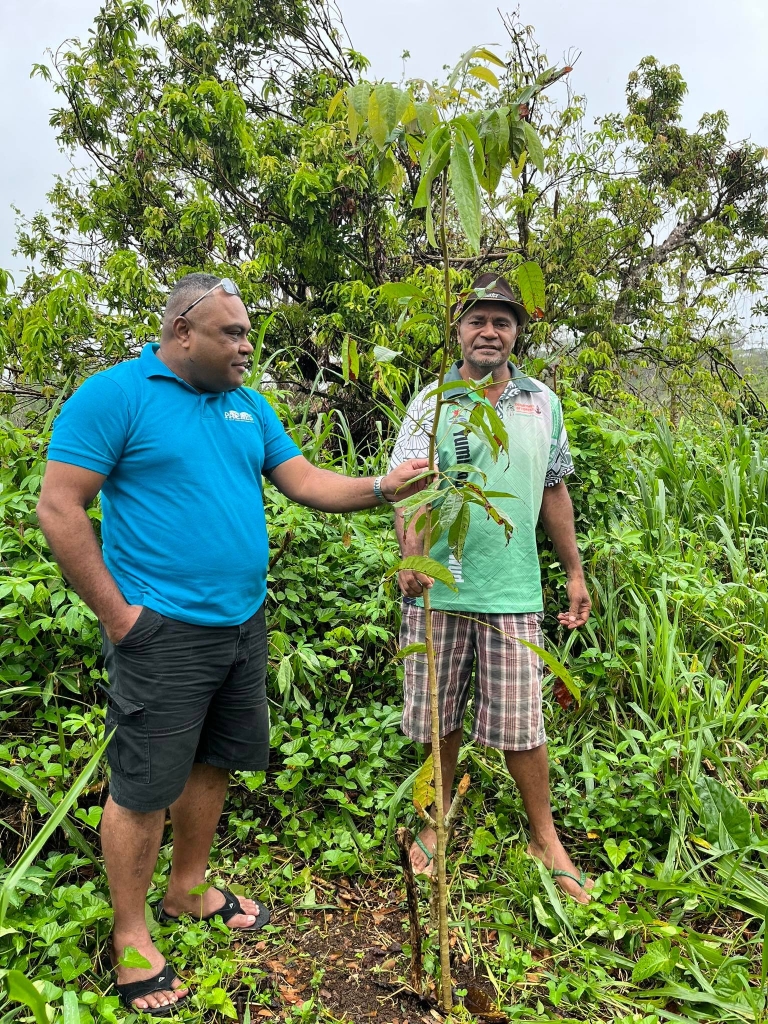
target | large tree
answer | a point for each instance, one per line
(210, 139)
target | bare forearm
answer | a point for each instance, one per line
(74, 545)
(332, 492)
(556, 517)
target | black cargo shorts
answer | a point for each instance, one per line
(180, 693)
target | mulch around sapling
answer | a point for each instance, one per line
(354, 960)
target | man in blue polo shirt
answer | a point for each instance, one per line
(177, 448)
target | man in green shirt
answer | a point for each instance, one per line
(499, 597)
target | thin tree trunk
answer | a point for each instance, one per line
(434, 703)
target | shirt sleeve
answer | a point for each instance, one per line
(92, 427)
(560, 460)
(278, 446)
(413, 437)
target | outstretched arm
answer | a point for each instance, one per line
(556, 517)
(326, 491)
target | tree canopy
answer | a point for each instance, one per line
(210, 138)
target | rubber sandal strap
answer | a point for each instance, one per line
(430, 856)
(161, 982)
(231, 908)
(557, 873)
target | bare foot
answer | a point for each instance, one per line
(420, 862)
(125, 975)
(207, 904)
(553, 855)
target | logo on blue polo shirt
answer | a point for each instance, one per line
(241, 417)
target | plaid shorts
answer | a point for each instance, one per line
(508, 714)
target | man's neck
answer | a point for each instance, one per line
(500, 376)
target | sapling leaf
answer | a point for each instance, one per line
(555, 667)
(202, 889)
(464, 467)
(418, 648)
(466, 192)
(457, 534)
(430, 567)
(423, 788)
(452, 505)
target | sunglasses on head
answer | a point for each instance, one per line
(226, 284)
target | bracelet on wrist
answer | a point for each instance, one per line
(378, 493)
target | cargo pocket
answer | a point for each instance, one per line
(128, 750)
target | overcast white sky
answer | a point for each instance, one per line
(721, 49)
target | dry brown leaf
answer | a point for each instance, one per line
(290, 995)
(276, 966)
(388, 965)
(264, 1013)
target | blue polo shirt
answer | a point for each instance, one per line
(183, 527)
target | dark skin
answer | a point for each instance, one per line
(487, 334)
(210, 350)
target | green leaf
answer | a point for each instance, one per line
(424, 191)
(71, 1008)
(544, 917)
(358, 96)
(350, 360)
(430, 567)
(657, 959)
(466, 192)
(382, 354)
(482, 53)
(534, 146)
(483, 841)
(423, 785)
(485, 74)
(404, 652)
(337, 99)
(133, 958)
(401, 290)
(530, 281)
(427, 117)
(718, 805)
(457, 534)
(382, 113)
(21, 990)
(617, 853)
(555, 667)
(452, 505)
(200, 890)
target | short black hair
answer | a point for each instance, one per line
(184, 292)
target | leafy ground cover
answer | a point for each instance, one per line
(657, 771)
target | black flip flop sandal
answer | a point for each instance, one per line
(163, 981)
(230, 909)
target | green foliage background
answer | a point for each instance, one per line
(213, 141)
